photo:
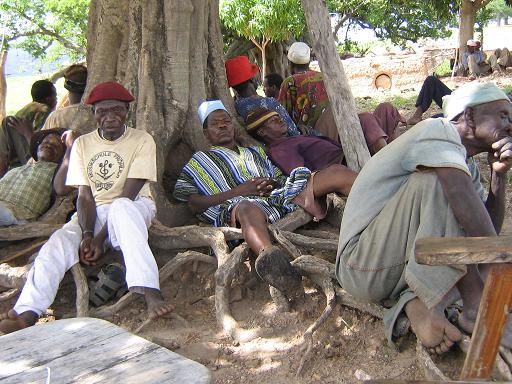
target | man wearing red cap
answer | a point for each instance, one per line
(111, 167)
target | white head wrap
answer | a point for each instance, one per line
(469, 95)
(299, 53)
(208, 107)
(471, 43)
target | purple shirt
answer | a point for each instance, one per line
(312, 152)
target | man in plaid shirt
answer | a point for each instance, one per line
(25, 192)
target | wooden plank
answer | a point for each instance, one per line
(90, 350)
(37, 345)
(492, 314)
(464, 250)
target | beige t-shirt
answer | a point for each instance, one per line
(431, 143)
(77, 117)
(105, 165)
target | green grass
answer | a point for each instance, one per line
(18, 91)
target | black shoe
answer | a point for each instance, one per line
(274, 268)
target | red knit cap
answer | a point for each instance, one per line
(109, 90)
(239, 69)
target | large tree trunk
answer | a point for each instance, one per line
(169, 55)
(336, 83)
(3, 84)
(467, 16)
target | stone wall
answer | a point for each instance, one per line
(391, 72)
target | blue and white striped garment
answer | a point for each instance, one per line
(221, 169)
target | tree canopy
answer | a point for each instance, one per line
(45, 28)
(263, 21)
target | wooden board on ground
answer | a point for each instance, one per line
(464, 250)
(88, 350)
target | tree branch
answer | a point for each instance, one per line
(45, 31)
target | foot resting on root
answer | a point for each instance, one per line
(157, 307)
(432, 329)
(11, 321)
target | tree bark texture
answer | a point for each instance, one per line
(336, 83)
(3, 84)
(168, 53)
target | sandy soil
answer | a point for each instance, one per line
(348, 348)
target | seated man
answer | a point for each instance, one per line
(473, 60)
(26, 191)
(112, 167)
(75, 116)
(236, 186)
(290, 152)
(272, 84)
(500, 60)
(429, 187)
(304, 96)
(16, 131)
(241, 77)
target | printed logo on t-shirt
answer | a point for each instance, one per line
(104, 169)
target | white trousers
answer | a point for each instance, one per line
(128, 222)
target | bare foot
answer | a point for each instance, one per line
(11, 321)
(157, 307)
(433, 330)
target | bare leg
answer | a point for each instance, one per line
(416, 117)
(254, 226)
(335, 178)
(11, 321)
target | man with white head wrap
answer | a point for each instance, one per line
(430, 187)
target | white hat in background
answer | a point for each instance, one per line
(471, 43)
(299, 53)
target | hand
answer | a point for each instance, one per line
(501, 159)
(68, 138)
(91, 248)
(257, 186)
(21, 125)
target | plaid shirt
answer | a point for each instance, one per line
(26, 190)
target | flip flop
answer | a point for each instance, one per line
(111, 280)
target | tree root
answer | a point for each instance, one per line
(9, 294)
(149, 321)
(288, 246)
(82, 291)
(279, 299)
(320, 272)
(310, 242)
(425, 360)
(13, 277)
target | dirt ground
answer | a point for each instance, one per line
(348, 348)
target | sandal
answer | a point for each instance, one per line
(111, 280)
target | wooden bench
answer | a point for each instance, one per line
(496, 299)
(87, 350)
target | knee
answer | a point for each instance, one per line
(248, 211)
